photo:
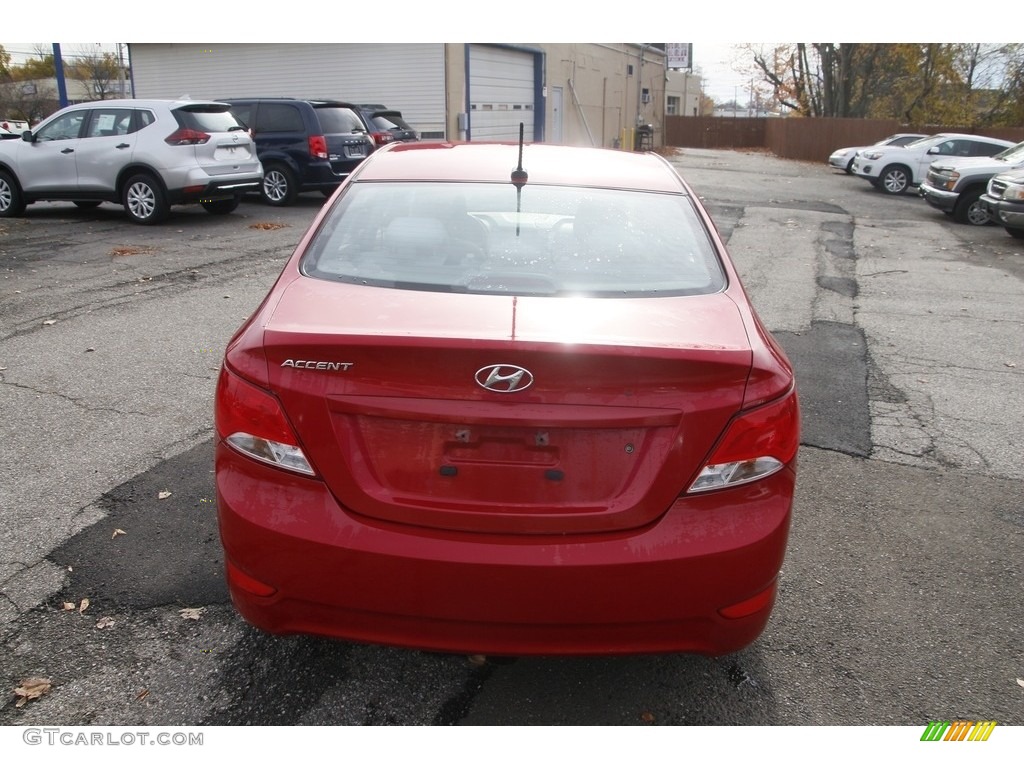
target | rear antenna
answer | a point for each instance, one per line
(519, 179)
(519, 176)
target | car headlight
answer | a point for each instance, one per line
(954, 177)
(1014, 192)
(872, 155)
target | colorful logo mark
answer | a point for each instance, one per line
(958, 730)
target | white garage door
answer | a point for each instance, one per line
(501, 93)
(408, 77)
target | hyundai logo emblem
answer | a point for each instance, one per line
(504, 378)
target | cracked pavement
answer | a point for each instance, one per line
(900, 596)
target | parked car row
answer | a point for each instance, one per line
(151, 154)
(842, 159)
(895, 169)
(953, 172)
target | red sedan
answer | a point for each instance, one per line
(508, 400)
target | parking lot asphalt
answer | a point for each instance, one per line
(900, 595)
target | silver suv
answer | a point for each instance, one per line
(144, 154)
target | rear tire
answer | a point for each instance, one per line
(970, 209)
(144, 200)
(222, 207)
(11, 202)
(279, 187)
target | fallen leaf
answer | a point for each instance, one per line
(69, 606)
(118, 532)
(131, 250)
(49, 322)
(163, 494)
(105, 623)
(647, 717)
(91, 349)
(83, 605)
(191, 613)
(1020, 682)
(1010, 365)
(142, 694)
(31, 688)
(477, 659)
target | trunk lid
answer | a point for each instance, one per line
(619, 403)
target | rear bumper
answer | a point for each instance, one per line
(324, 570)
(323, 174)
(220, 189)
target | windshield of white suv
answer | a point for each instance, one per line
(1012, 155)
(491, 238)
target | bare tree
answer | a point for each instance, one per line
(100, 71)
(27, 101)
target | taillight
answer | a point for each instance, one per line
(758, 443)
(318, 147)
(381, 138)
(186, 136)
(252, 422)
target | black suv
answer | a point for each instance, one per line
(387, 125)
(303, 144)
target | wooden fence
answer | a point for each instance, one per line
(796, 138)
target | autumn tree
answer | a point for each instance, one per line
(916, 83)
(38, 67)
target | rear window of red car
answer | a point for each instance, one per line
(492, 238)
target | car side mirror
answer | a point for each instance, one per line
(28, 136)
(933, 151)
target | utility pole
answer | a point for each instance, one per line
(120, 71)
(58, 68)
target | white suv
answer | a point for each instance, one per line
(145, 154)
(895, 169)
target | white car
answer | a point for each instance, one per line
(10, 129)
(842, 159)
(895, 169)
(146, 154)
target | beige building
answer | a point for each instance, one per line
(589, 94)
(682, 94)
